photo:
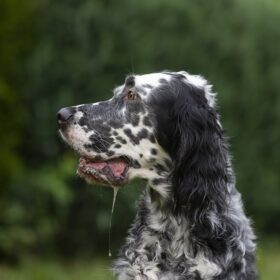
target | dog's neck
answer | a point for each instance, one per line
(159, 200)
(199, 239)
(204, 221)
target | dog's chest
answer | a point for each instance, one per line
(164, 247)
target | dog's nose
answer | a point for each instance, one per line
(64, 115)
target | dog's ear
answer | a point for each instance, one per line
(199, 152)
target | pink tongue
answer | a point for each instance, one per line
(97, 165)
(117, 167)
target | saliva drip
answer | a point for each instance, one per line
(115, 189)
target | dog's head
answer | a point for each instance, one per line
(154, 124)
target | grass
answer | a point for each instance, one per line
(32, 269)
(98, 269)
(269, 260)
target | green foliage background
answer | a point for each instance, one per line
(60, 53)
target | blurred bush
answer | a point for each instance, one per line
(59, 53)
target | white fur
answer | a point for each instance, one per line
(207, 269)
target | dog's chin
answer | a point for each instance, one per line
(111, 172)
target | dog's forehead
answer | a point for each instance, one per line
(153, 80)
(144, 83)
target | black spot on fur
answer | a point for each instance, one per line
(153, 151)
(152, 138)
(115, 124)
(83, 121)
(110, 153)
(88, 147)
(163, 256)
(142, 134)
(163, 81)
(159, 167)
(146, 121)
(129, 134)
(158, 181)
(121, 139)
(117, 146)
(135, 120)
(147, 86)
(134, 163)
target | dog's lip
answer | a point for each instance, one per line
(112, 171)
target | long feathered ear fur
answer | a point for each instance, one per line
(200, 174)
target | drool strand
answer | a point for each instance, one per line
(115, 189)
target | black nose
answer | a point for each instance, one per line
(64, 115)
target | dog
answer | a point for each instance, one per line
(164, 128)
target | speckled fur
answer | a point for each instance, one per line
(190, 223)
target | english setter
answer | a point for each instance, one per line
(164, 128)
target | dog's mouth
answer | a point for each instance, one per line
(108, 172)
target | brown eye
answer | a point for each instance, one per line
(131, 95)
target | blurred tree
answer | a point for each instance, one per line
(16, 38)
(71, 52)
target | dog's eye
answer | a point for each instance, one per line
(131, 95)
